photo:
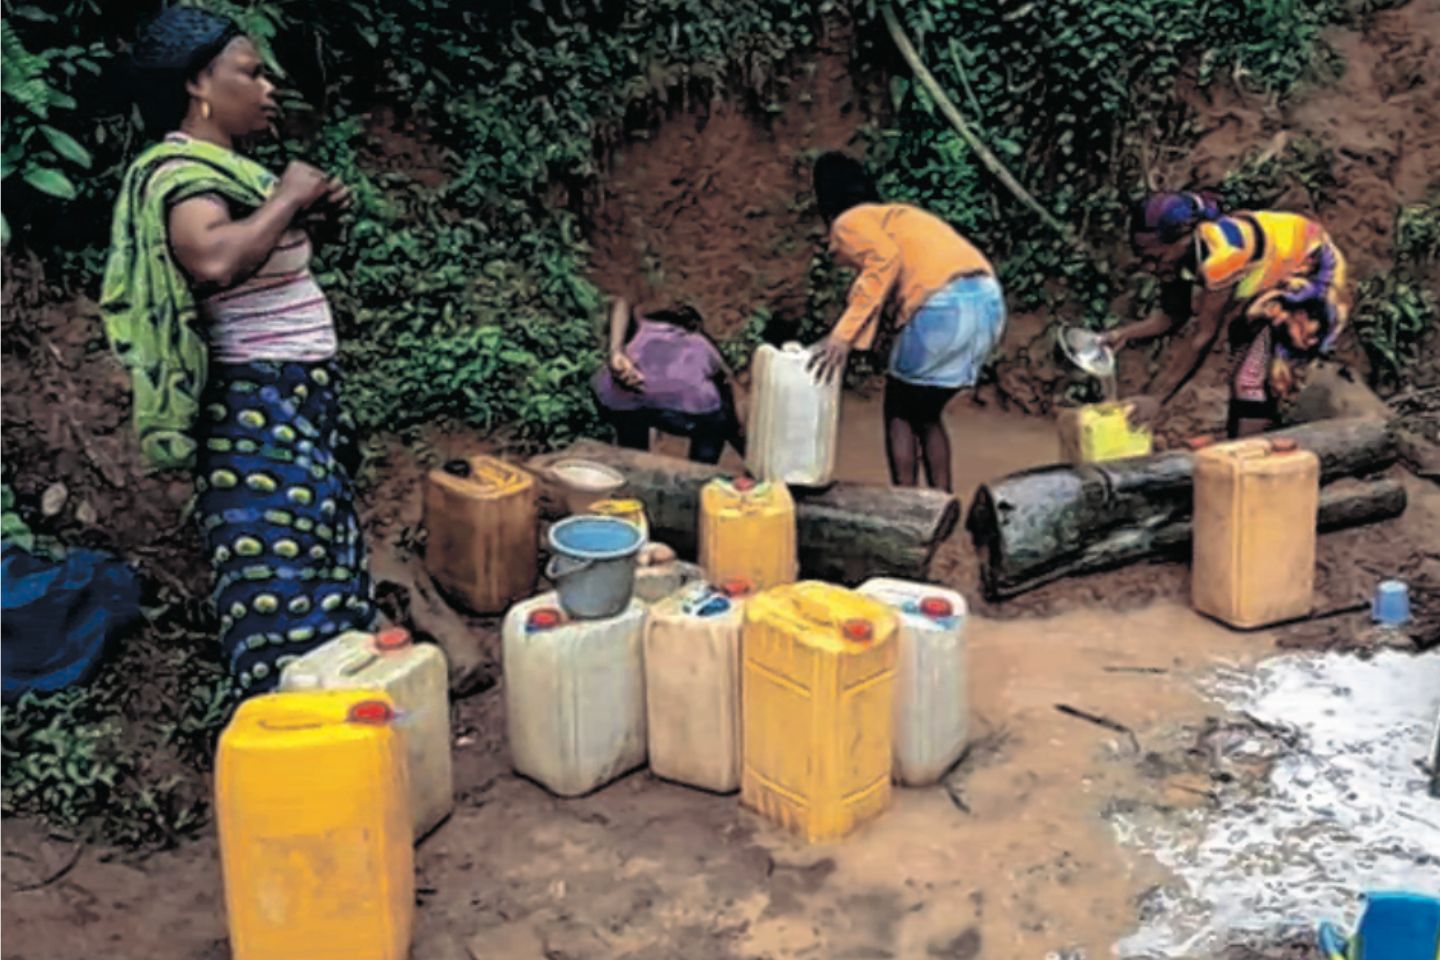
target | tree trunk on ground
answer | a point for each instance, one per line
(846, 533)
(1034, 527)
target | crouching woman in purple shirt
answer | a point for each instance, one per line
(665, 374)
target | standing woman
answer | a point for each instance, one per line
(209, 301)
(947, 303)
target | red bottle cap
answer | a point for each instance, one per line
(543, 619)
(374, 712)
(392, 639)
(858, 631)
(937, 607)
(743, 484)
(736, 587)
(1199, 443)
(1283, 445)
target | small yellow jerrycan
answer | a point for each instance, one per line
(817, 698)
(1101, 431)
(312, 809)
(747, 532)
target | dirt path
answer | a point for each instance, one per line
(647, 869)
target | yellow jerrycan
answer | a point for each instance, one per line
(747, 532)
(415, 677)
(1256, 502)
(817, 708)
(314, 823)
(692, 685)
(1101, 431)
(482, 523)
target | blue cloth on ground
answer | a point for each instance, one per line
(59, 616)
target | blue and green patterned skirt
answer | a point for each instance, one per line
(277, 515)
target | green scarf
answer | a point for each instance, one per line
(150, 313)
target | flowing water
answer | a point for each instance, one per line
(1344, 811)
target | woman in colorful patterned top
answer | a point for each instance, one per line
(947, 305)
(1277, 279)
(665, 374)
(209, 301)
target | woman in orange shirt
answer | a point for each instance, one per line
(947, 305)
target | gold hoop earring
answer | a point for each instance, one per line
(205, 109)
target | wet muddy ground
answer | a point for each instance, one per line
(1024, 850)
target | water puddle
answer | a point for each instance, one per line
(1345, 808)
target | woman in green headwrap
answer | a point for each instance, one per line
(209, 301)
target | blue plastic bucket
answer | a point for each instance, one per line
(593, 568)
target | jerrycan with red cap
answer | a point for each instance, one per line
(932, 696)
(747, 532)
(415, 677)
(574, 695)
(817, 709)
(312, 809)
(692, 685)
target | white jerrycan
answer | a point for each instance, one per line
(932, 697)
(794, 420)
(692, 685)
(574, 695)
(415, 677)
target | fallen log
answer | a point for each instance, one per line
(1034, 527)
(846, 533)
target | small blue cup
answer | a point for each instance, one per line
(1392, 603)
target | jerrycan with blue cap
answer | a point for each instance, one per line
(692, 685)
(932, 697)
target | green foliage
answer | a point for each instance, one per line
(14, 529)
(123, 759)
(1072, 96)
(36, 91)
(1397, 309)
(739, 348)
(1267, 175)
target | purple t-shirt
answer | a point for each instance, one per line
(680, 369)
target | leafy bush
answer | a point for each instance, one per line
(463, 291)
(35, 89)
(1069, 95)
(1266, 175)
(124, 759)
(1396, 309)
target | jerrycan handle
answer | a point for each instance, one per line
(358, 663)
(812, 608)
(457, 468)
(561, 566)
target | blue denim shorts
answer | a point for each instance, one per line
(948, 340)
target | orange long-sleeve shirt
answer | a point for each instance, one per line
(897, 249)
